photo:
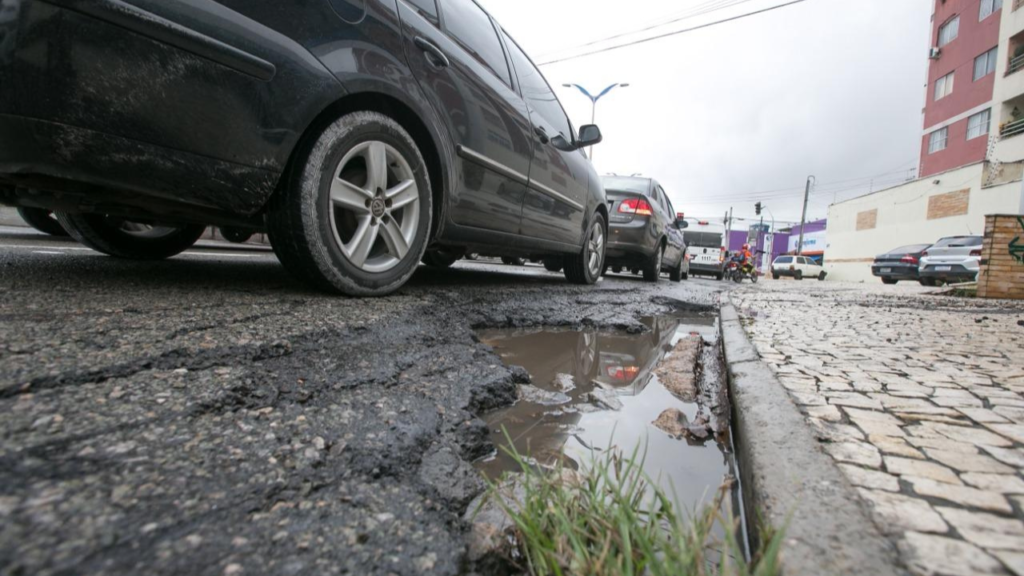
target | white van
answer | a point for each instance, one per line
(705, 247)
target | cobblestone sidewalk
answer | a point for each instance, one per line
(920, 399)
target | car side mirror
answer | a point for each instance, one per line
(682, 224)
(590, 134)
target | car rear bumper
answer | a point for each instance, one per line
(955, 272)
(631, 241)
(696, 268)
(91, 106)
(902, 272)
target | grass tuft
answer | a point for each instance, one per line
(610, 519)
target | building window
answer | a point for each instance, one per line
(944, 86)
(977, 125)
(988, 7)
(937, 140)
(949, 31)
(985, 64)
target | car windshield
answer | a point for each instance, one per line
(912, 249)
(703, 239)
(627, 185)
(959, 242)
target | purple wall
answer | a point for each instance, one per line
(737, 238)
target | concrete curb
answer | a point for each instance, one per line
(789, 480)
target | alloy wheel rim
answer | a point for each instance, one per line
(375, 207)
(595, 247)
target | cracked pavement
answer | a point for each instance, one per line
(209, 415)
(919, 398)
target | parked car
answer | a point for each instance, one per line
(644, 232)
(899, 264)
(798, 267)
(705, 248)
(950, 260)
(361, 135)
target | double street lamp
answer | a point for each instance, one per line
(593, 102)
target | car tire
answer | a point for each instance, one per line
(616, 269)
(42, 220)
(927, 281)
(719, 276)
(355, 216)
(676, 274)
(652, 268)
(776, 276)
(552, 265)
(890, 281)
(799, 275)
(440, 259)
(124, 239)
(821, 277)
(236, 235)
(586, 266)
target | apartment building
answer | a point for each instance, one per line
(963, 58)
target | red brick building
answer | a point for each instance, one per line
(961, 77)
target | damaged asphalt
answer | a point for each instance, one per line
(209, 415)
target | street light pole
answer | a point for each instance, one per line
(593, 104)
(803, 217)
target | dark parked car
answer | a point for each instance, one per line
(644, 232)
(899, 264)
(362, 135)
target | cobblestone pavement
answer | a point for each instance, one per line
(920, 400)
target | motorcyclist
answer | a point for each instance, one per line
(746, 259)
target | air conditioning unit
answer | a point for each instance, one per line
(935, 53)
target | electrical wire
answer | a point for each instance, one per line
(673, 33)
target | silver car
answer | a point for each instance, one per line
(950, 260)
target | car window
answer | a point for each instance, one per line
(703, 239)
(472, 28)
(671, 210)
(663, 198)
(427, 8)
(959, 242)
(536, 90)
(784, 260)
(629, 185)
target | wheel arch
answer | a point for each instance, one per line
(392, 106)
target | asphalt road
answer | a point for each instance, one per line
(210, 415)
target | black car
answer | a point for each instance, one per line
(362, 135)
(899, 264)
(644, 231)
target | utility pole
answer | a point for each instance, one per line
(728, 230)
(803, 217)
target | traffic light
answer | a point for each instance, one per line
(757, 208)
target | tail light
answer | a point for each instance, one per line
(637, 206)
(924, 254)
(976, 253)
(908, 259)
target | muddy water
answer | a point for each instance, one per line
(563, 421)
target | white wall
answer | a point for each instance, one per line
(903, 219)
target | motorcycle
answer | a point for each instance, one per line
(737, 271)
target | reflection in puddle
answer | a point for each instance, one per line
(593, 389)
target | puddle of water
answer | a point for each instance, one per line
(555, 422)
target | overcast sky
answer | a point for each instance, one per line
(826, 87)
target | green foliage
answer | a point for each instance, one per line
(613, 520)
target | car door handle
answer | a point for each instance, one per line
(434, 54)
(542, 134)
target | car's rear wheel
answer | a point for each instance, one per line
(821, 277)
(440, 258)
(513, 261)
(887, 280)
(652, 268)
(586, 266)
(776, 276)
(43, 220)
(127, 239)
(799, 275)
(354, 217)
(616, 269)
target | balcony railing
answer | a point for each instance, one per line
(1014, 128)
(1016, 63)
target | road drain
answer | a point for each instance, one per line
(595, 389)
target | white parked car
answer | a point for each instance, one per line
(798, 267)
(950, 260)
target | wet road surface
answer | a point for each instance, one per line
(210, 415)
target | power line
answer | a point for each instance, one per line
(693, 12)
(673, 33)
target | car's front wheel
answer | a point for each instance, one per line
(127, 239)
(355, 216)
(586, 266)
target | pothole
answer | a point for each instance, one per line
(595, 389)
